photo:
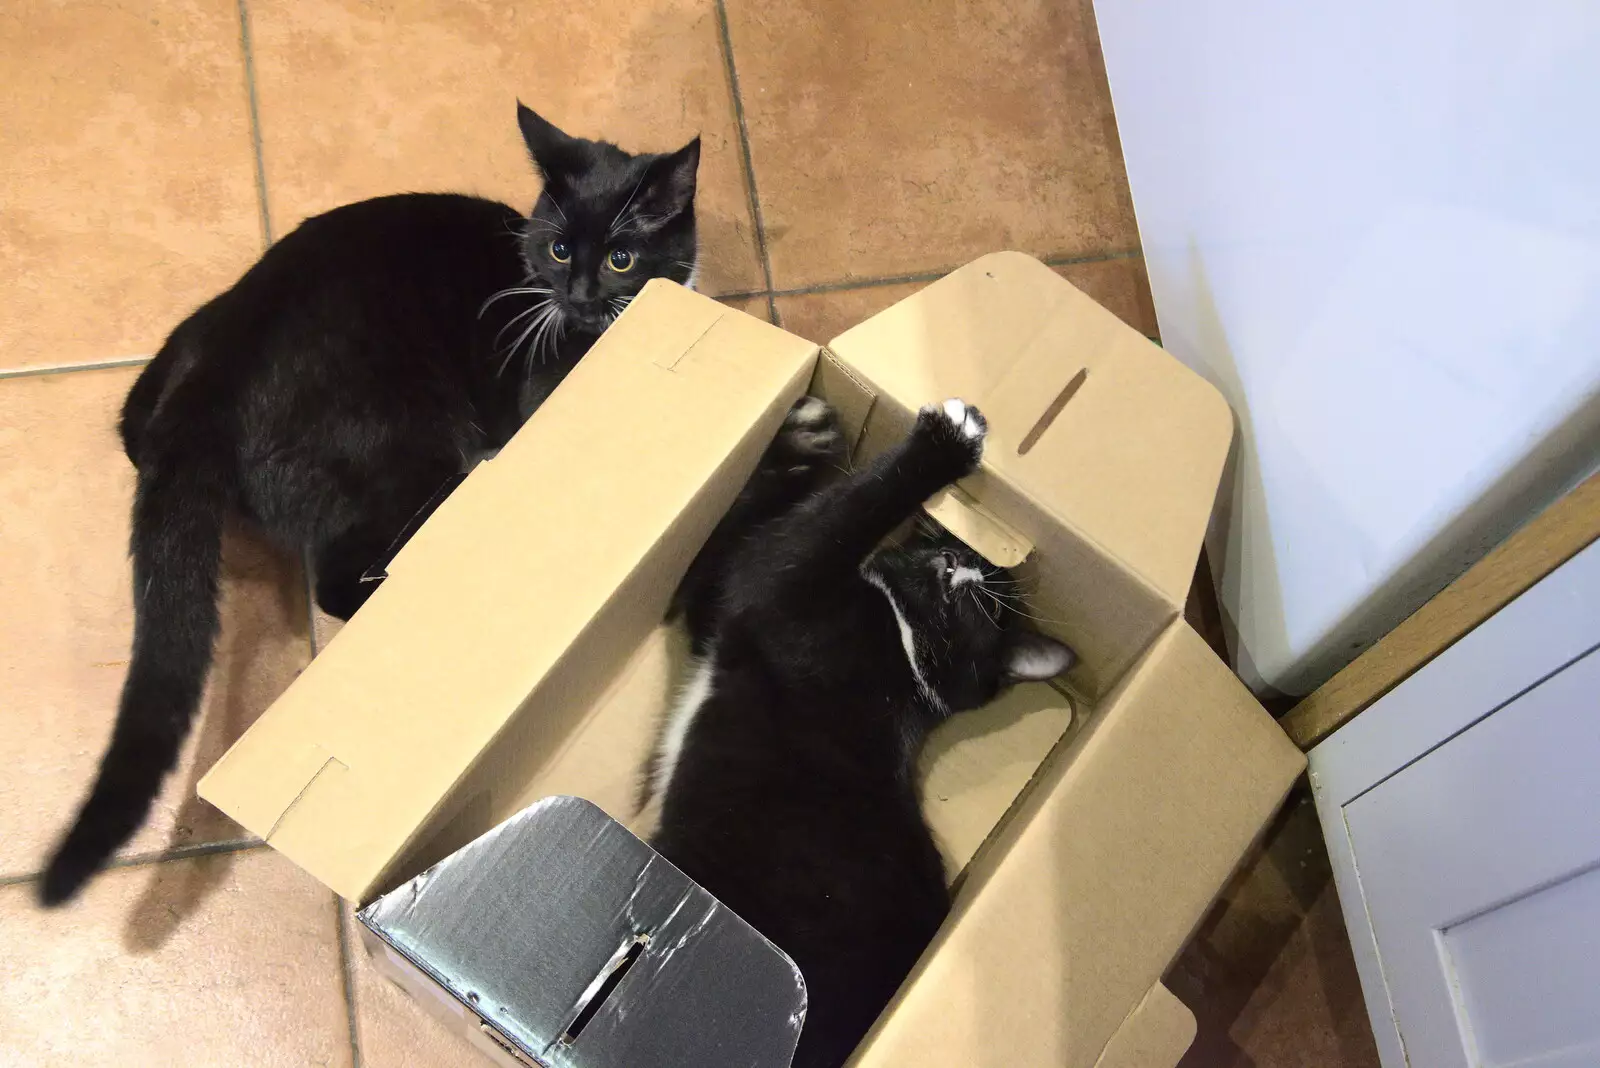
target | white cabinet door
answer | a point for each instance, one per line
(1463, 818)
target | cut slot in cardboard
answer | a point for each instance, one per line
(516, 650)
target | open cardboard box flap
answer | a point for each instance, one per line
(1103, 431)
(516, 652)
(1078, 904)
(521, 586)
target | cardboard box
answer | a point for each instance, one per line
(516, 650)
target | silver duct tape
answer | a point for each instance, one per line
(579, 946)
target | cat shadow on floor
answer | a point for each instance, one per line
(263, 644)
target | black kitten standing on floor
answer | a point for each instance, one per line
(365, 359)
(787, 768)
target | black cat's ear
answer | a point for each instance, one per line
(1032, 657)
(553, 152)
(669, 183)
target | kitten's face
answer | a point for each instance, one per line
(962, 614)
(606, 223)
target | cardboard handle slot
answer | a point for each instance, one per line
(605, 984)
(1032, 437)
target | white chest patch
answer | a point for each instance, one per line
(680, 717)
(908, 640)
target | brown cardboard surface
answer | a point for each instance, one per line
(516, 651)
(1086, 596)
(1133, 458)
(536, 576)
(1090, 888)
(1155, 1035)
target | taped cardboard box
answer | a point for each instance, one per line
(515, 651)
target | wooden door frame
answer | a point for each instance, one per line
(1545, 543)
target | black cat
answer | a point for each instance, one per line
(787, 768)
(369, 356)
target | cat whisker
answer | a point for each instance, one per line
(512, 292)
(549, 326)
(1016, 607)
(972, 592)
(512, 322)
(545, 310)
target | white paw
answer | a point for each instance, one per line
(810, 434)
(808, 412)
(966, 420)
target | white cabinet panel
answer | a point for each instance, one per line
(1473, 867)
(1528, 975)
(1462, 814)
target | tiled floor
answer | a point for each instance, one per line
(147, 154)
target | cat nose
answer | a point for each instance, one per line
(592, 313)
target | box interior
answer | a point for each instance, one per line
(1086, 826)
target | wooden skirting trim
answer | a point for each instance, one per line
(1544, 544)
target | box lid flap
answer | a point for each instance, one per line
(1086, 895)
(354, 758)
(1086, 415)
(1155, 1035)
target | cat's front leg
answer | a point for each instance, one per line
(837, 528)
(808, 448)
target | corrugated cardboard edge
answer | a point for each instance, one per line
(1213, 428)
(1156, 1034)
(1095, 882)
(990, 536)
(876, 418)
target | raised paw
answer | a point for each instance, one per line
(956, 426)
(809, 440)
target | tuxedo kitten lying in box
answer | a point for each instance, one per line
(786, 771)
(367, 358)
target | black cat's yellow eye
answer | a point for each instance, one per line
(621, 260)
(560, 252)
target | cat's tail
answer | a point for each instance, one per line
(177, 548)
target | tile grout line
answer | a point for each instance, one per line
(745, 157)
(248, 49)
(162, 856)
(347, 978)
(841, 286)
(938, 273)
(844, 285)
(63, 368)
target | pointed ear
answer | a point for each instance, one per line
(669, 184)
(1033, 657)
(551, 150)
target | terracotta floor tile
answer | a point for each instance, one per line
(393, 1030)
(229, 959)
(899, 137)
(126, 173)
(1270, 976)
(1118, 284)
(756, 306)
(64, 495)
(360, 99)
